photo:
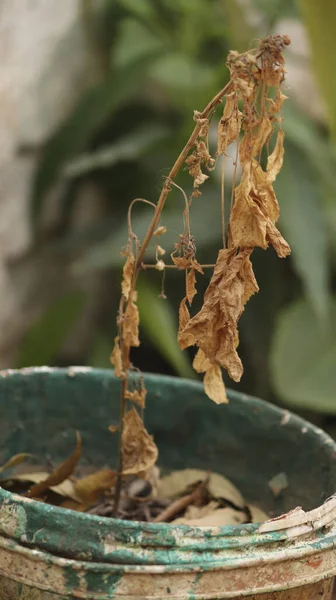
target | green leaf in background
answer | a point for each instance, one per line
(95, 107)
(130, 147)
(304, 227)
(44, 339)
(320, 18)
(303, 359)
(157, 318)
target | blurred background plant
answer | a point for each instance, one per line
(147, 65)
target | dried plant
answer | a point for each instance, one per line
(250, 120)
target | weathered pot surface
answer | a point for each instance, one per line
(48, 553)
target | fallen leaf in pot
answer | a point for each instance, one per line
(214, 518)
(14, 461)
(59, 474)
(257, 515)
(175, 484)
(90, 488)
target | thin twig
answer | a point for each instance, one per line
(147, 266)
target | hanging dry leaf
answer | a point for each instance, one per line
(275, 238)
(214, 327)
(131, 325)
(201, 363)
(214, 385)
(160, 230)
(247, 223)
(275, 160)
(275, 105)
(254, 140)
(116, 358)
(138, 396)
(160, 251)
(127, 275)
(263, 192)
(59, 474)
(139, 450)
(230, 123)
(113, 428)
(14, 461)
(90, 488)
(196, 159)
(181, 262)
(203, 123)
(190, 285)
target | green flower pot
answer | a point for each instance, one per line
(51, 553)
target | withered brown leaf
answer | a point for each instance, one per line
(127, 275)
(254, 140)
(116, 359)
(59, 474)
(180, 261)
(229, 124)
(279, 244)
(214, 327)
(263, 192)
(247, 223)
(90, 488)
(14, 461)
(139, 450)
(131, 325)
(214, 385)
(275, 159)
(138, 396)
(191, 285)
(201, 363)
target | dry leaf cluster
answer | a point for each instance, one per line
(249, 133)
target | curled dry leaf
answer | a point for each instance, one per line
(65, 488)
(257, 515)
(214, 327)
(138, 448)
(113, 428)
(131, 325)
(275, 160)
(14, 461)
(138, 396)
(196, 159)
(62, 472)
(214, 385)
(90, 488)
(230, 123)
(161, 251)
(160, 230)
(203, 123)
(116, 358)
(201, 363)
(176, 484)
(254, 140)
(215, 518)
(191, 285)
(181, 262)
(127, 275)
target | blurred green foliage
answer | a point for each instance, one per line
(157, 61)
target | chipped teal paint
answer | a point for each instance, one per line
(71, 579)
(190, 431)
(194, 586)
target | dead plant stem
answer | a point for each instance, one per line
(125, 350)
